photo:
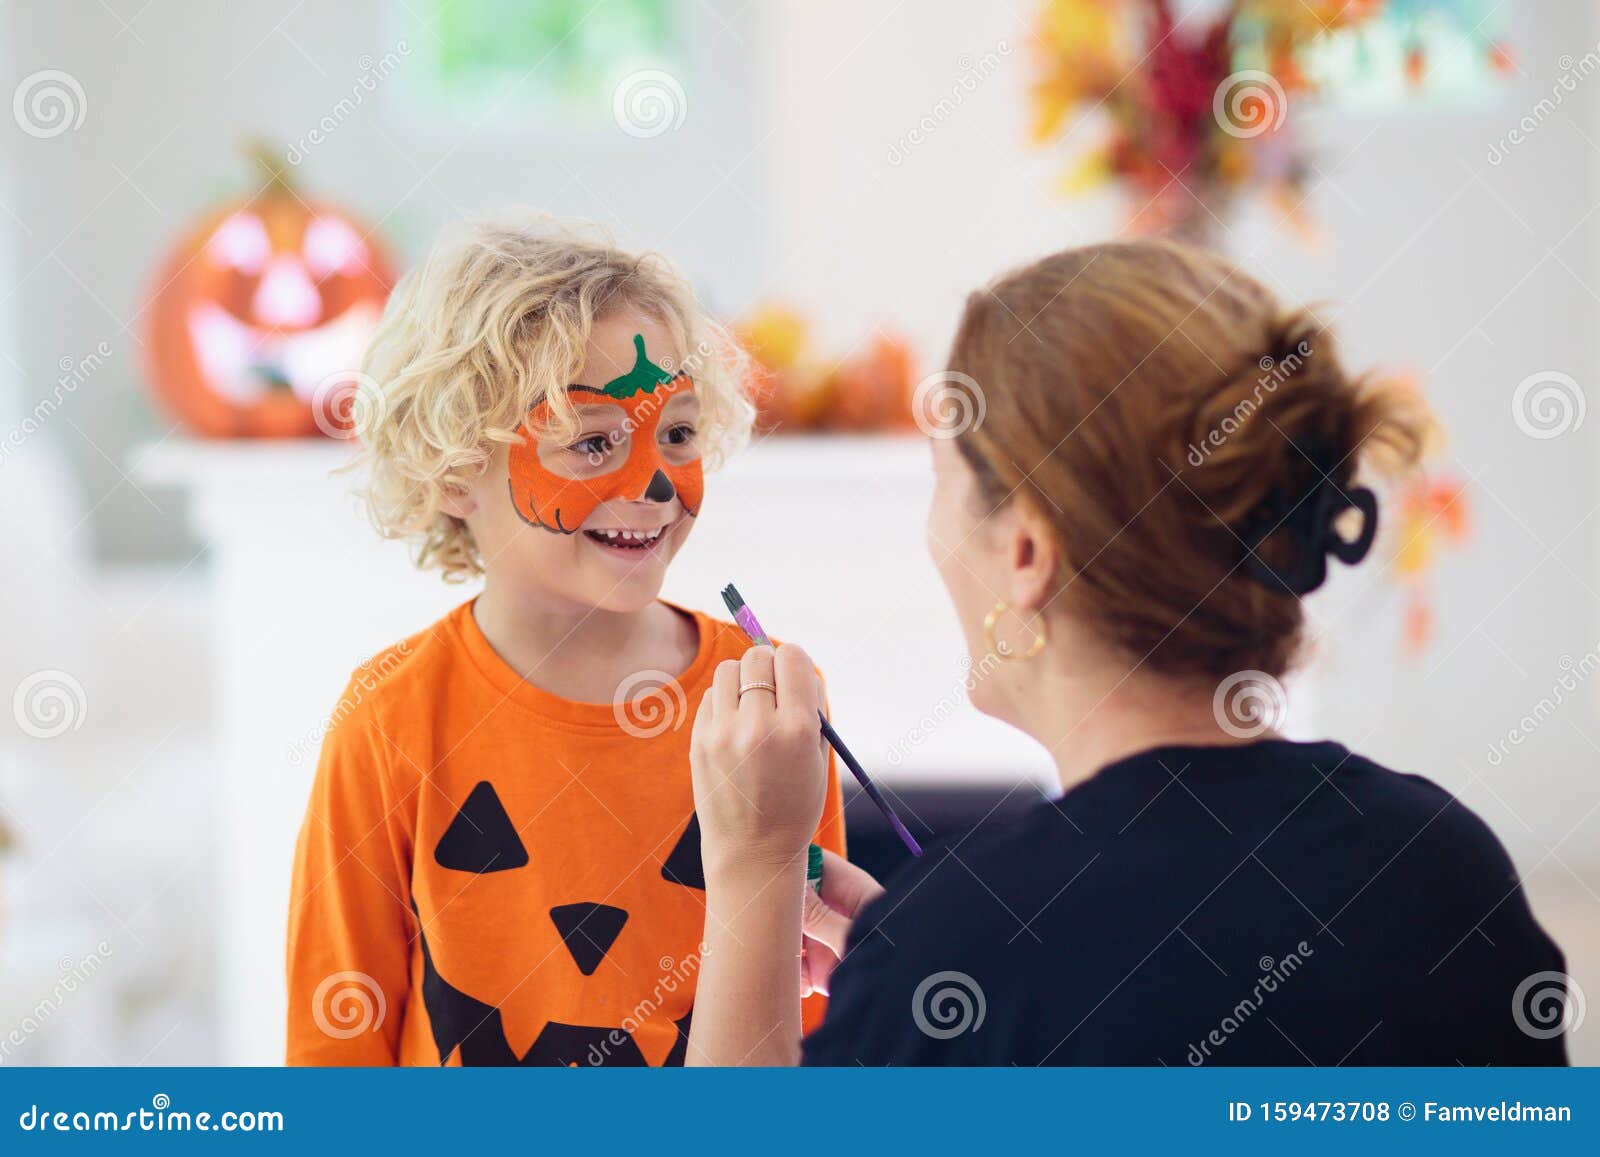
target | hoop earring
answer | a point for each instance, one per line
(1004, 652)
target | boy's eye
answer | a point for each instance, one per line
(679, 435)
(593, 446)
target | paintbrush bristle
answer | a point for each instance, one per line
(730, 596)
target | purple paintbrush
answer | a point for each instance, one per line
(745, 617)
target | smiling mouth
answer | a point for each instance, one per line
(633, 541)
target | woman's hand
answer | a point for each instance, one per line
(827, 919)
(759, 781)
(758, 761)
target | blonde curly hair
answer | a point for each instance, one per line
(495, 319)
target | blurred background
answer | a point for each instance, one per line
(203, 205)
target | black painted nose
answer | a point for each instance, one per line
(660, 489)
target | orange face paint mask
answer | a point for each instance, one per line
(561, 493)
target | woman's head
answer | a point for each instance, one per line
(1147, 413)
(512, 407)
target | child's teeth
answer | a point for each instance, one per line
(632, 535)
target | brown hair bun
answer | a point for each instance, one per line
(1161, 408)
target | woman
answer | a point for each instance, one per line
(1165, 464)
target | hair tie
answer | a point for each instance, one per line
(1309, 524)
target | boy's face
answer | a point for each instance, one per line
(595, 519)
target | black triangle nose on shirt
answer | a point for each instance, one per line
(588, 930)
(660, 489)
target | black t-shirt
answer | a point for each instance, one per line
(1271, 904)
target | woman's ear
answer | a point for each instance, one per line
(1032, 557)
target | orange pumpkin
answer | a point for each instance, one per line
(871, 389)
(264, 300)
(776, 338)
(795, 390)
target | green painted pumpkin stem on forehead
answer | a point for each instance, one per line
(645, 375)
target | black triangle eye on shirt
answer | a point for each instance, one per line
(481, 838)
(683, 864)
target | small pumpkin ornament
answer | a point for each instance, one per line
(776, 339)
(871, 390)
(261, 305)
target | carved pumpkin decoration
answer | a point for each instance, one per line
(259, 305)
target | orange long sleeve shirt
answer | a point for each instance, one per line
(489, 874)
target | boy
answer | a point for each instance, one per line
(500, 862)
